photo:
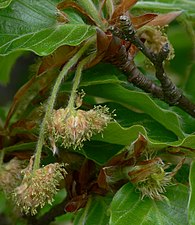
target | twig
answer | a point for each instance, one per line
(123, 60)
(168, 92)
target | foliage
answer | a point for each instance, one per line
(121, 149)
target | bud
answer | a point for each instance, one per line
(38, 187)
(10, 175)
(72, 128)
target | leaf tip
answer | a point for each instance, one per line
(164, 19)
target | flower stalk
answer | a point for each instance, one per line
(52, 99)
(76, 82)
(70, 126)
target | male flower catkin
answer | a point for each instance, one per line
(38, 187)
(72, 127)
(10, 175)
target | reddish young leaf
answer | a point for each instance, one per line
(139, 21)
(103, 42)
(57, 59)
(139, 146)
(76, 203)
(164, 19)
(71, 4)
(27, 93)
(101, 180)
(123, 7)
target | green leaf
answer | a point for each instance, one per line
(4, 3)
(183, 73)
(140, 102)
(6, 64)
(99, 74)
(191, 206)
(127, 207)
(95, 212)
(115, 134)
(189, 141)
(114, 138)
(189, 87)
(165, 6)
(64, 218)
(100, 151)
(2, 202)
(183, 48)
(33, 25)
(126, 118)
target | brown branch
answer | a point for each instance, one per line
(123, 60)
(168, 92)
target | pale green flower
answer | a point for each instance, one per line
(10, 175)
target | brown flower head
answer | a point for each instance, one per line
(10, 175)
(38, 187)
(72, 128)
